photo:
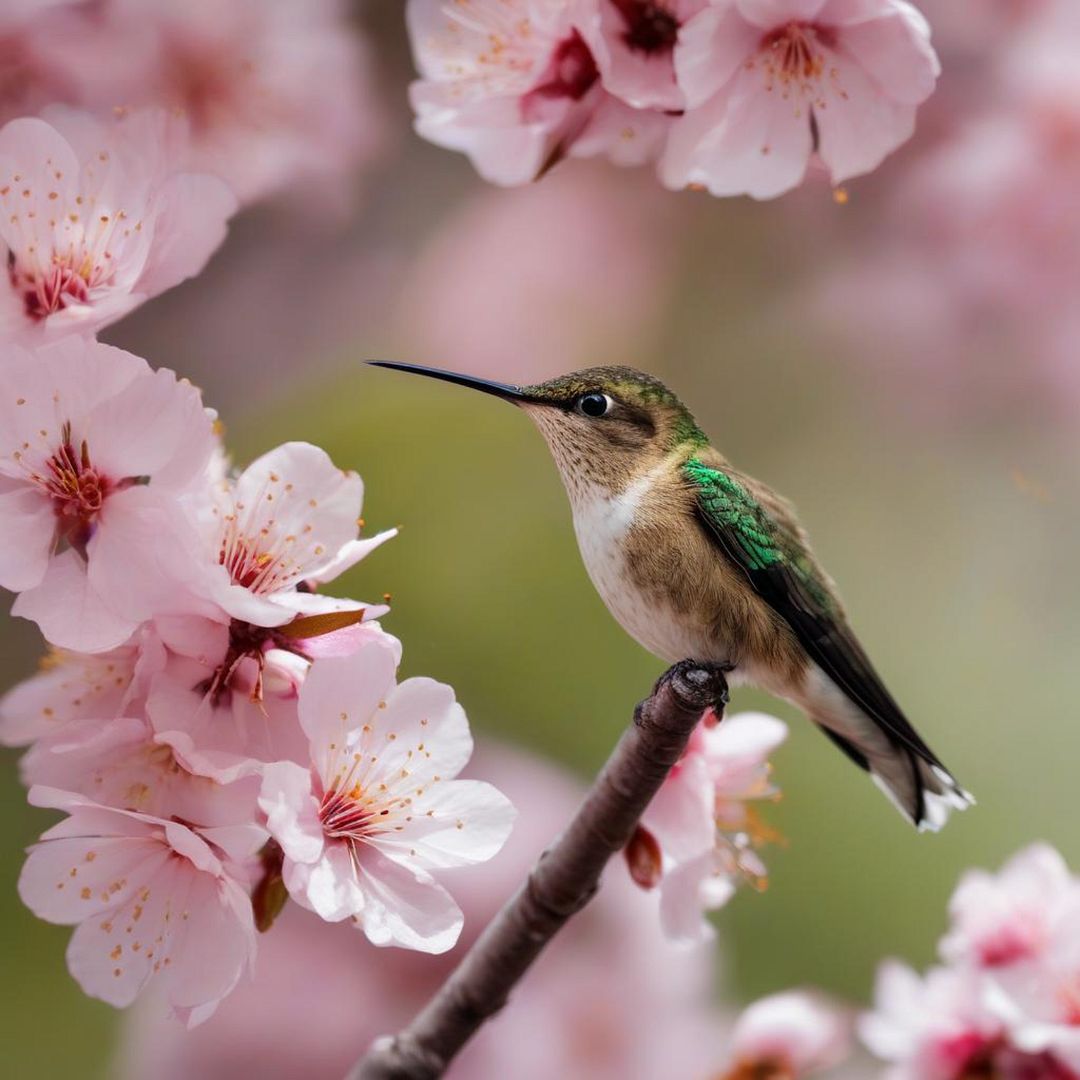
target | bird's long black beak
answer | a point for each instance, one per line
(514, 394)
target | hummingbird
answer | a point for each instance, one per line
(697, 560)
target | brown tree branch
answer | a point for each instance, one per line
(562, 882)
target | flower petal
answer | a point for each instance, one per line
(425, 731)
(27, 528)
(744, 141)
(329, 886)
(215, 946)
(291, 811)
(69, 611)
(457, 823)
(53, 892)
(193, 209)
(684, 896)
(894, 50)
(406, 908)
(770, 13)
(712, 46)
(681, 814)
(156, 427)
(113, 965)
(350, 554)
(70, 687)
(342, 693)
(859, 129)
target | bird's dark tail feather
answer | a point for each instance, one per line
(924, 792)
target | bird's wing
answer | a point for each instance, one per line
(758, 531)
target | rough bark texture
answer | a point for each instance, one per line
(562, 882)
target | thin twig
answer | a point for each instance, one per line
(562, 882)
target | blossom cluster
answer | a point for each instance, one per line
(734, 96)
(1005, 1001)
(220, 734)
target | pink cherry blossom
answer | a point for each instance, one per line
(948, 1026)
(789, 1035)
(94, 449)
(932, 1028)
(515, 86)
(150, 899)
(769, 83)
(277, 95)
(1016, 915)
(288, 523)
(380, 808)
(701, 825)
(97, 216)
(225, 699)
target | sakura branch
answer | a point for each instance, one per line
(563, 881)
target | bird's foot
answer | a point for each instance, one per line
(705, 676)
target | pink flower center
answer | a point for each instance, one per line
(77, 489)
(793, 58)
(246, 642)
(247, 565)
(348, 814)
(793, 52)
(49, 290)
(357, 805)
(571, 73)
(264, 563)
(1010, 944)
(998, 1059)
(266, 544)
(965, 1053)
(650, 25)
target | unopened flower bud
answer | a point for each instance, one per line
(644, 859)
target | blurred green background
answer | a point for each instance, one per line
(950, 533)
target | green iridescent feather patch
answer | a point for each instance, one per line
(729, 504)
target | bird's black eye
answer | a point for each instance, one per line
(594, 405)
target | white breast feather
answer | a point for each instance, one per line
(601, 521)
